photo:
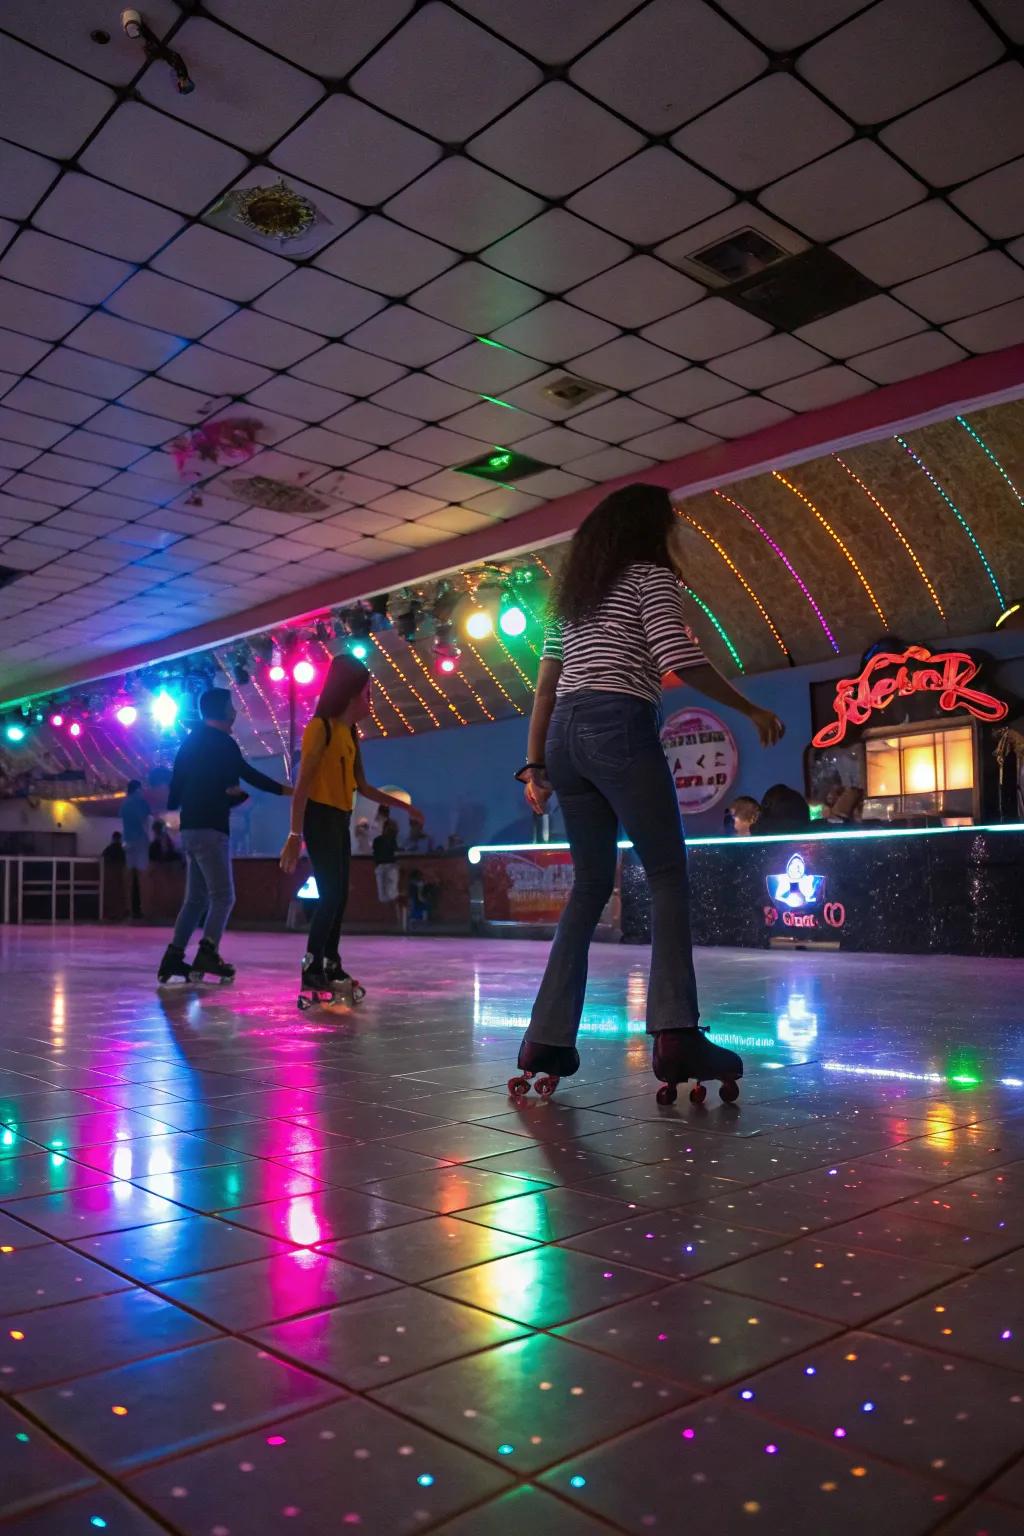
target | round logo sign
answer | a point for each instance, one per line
(702, 755)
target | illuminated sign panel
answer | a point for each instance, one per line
(916, 670)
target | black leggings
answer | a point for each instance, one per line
(325, 830)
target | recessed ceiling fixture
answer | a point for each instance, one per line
(503, 464)
(571, 391)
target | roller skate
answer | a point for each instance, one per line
(547, 1063)
(316, 986)
(346, 988)
(173, 964)
(682, 1054)
(209, 963)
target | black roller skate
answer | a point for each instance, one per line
(316, 986)
(682, 1054)
(547, 1063)
(346, 988)
(209, 963)
(173, 964)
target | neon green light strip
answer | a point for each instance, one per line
(988, 452)
(733, 652)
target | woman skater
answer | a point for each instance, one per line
(330, 774)
(617, 629)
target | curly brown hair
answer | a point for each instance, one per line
(630, 526)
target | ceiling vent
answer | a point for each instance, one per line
(570, 392)
(7, 575)
(740, 255)
(276, 495)
(502, 464)
(791, 293)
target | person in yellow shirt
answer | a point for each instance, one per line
(330, 774)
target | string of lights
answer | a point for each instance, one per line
(965, 525)
(733, 652)
(273, 716)
(897, 531)
(832, 533)
(233, 685)
(781, 555)
(415, 693)
(744, 583)
(467, 684)
(392, 705)
(973, 432)
(500, 687)
(418, 659)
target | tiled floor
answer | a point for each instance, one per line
(266, 1272)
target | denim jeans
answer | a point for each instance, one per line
(606, 764)
(326, 831)
(209, 886)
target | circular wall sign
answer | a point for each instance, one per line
(703, 757)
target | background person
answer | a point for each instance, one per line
(114, 869)
(204, 787)
(385, 866)
(618, 628)
(784, 810)
(745, 812)
(162, 849)
(330, 774)
(135, 814)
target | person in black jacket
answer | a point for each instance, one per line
(204, 787)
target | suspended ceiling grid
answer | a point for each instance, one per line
(523, 172)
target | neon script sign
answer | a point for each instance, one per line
(947, 673)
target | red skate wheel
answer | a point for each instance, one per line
(518, 1087)
(667, 1093)
(729, 1092)
(546, 1086)
(698, 1094)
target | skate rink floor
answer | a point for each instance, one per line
(269, 1272)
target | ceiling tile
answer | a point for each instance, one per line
(393, 468)
(16, 455)
(503, 502)
(406, 504)
(55, 404)
(173, 307)
(33, 488)
(262, 339)
(386, 257)
(36, 314)
(350, 149)
(19, 427)
(295, 397)
(58, 466)
(420, 396)
(345, 368)
(200, 368)
(19, 353)
(991, 330)
(707, 329)
(86, 210)
(122, 341)
(555, 331)
(555, 141)
(924, 237)
(907, 358)
(636, 292)
(843, 191)
(1009, 16)
(556, 251)
(618, 419)
(456, 520)
(739, 417)
(420, 536)
(171, 400)
(362, 520)
(274, 96)
(667, 63)
(824, 387)
(995, 200)
(650, 197)
(102, 450)
(463, 204)
(783, 26)
(485, 369)
(555, 482)
(493, 424)
(134, 140)
(445, 486)
(553, 33)
(768, 362)
(134, 426)
(672, 442)
(762, 133)
(319, 302)
(871, 323)
(475, 297)
(334, 34)
(610, 463)
(896, 55)
(406, 336)
(439, 445)
(32, 84)
(70, 271)
(980, 282)
(92, 375)
(24, 177)
(220, 264)
(558, 445)
(57, 29)
(968, 130)
(684, 393)
(444, 74)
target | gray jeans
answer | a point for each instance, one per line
(209, 886)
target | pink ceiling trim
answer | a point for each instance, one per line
(969, 384)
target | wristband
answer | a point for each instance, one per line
(526, 768)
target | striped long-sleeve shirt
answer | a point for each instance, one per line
(627, 646)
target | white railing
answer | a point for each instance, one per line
(42, 888)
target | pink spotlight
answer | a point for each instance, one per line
(57, 720)
(304, 673)
(74, 728)
(446, 664)
(127, 714)
(276, 673)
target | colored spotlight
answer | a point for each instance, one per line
(57, 720)
(276, 673)
(512, 621)
(479, 626)
(304, 673)
(74, 729)
(359, 649)
(127, 714)
(164, 710)
(447, 664)
(15, 732)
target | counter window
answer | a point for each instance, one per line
(921, 773)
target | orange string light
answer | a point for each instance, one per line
(832, 533)
(418, 659)
(897, 531)
(739, 577)
(418, 696)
